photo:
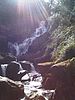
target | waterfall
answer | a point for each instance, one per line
(31, 64)
(33, 68)
(3, 67)
(23, 47)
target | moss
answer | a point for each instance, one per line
(69, 52)
(63, 38)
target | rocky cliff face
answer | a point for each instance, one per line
(10, 89)
(57, 43)
(59, 76)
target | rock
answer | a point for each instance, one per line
(22, 73)
(0, 71)
(40, 98)
(56, 74)
(44, 67)
(49, 82)
(26, 65)
(7, 59)
(1, 59)
(12, 71)
(3, 44)
(10, 90)
(37, 97)
(36, 50)
(36, 45)
(61, 77)
(25, 78)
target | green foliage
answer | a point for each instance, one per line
(70, 52)
(66, 8)
(69, 4)
(63, 36)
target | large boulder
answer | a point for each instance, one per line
(26, 65)
(61, 77)
(12, 70)
(10, 90)
(55, 74)
(44, 67)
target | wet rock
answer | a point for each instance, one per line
(25, 78)
(26, 65)
(37, 97)
(12, 71)
(22, 73)
(10, 90)
(42, 95)
(41, 98)
(0, 71)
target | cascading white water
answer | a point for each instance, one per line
(3, 67)
(23, 47)
(32, 66)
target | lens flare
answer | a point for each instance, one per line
(32, 8)
(31, 12)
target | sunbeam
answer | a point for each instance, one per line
(46, 0)
(31, 11)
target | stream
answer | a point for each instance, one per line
(32, 84)
(34, 88)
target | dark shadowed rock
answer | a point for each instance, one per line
(37, 49)
(12, 70)
(0, 71)
(56, 74)
(37, 44)
(7, 59)
(22, 73)
(61, 77)
(37, 97)
(3, 44)
(26, 65)
(44, 67)
(10, 90)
